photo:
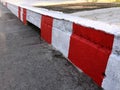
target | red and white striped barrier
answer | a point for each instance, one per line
(92, 46)
(22, 14)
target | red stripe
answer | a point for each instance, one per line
(24, 16)
(96, 36)
(46, 28)
(90, 50)
(19, 12)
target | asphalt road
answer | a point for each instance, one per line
(29, 63)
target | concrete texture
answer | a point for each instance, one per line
(61, 33)
(28, 63)
(109, 15)
(34, 18)
(112, 80)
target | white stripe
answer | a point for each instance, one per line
(116, 45)
(13, 9)
(21, 13)
(112, 79)
(65, 26)
(34, 18)
(61, 33)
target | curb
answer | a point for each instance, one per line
(91, 46)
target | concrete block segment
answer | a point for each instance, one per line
(89, 52)
(46, 28)
(116, 46)
(112, 79)
(13, 9)
(60, 40)
(63, 25)
(91, 46)
(61, 33)
(34, 18)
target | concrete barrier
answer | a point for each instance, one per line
(92, 46)
(13, 9)
(61, 33)
(34, 18)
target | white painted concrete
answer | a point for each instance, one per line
(116, 46)
(34, 18)
(21, 14)
(13, 9)
(112, 80)
(63, 25)
(61, 33)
